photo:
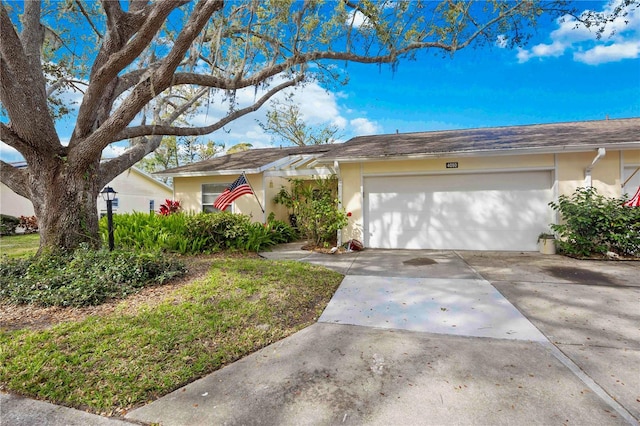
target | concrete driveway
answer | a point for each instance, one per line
(424, 337)
(590, 310)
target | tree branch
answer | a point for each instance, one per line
(146, 90)
(88, 18)
(166, 130)
(112, 168)
(15, 179)
(23, 91)
(118, 51)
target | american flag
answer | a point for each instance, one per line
(634, 201)
(237, 189)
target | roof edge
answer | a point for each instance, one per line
(487, 152)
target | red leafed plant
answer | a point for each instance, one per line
(29, 224)
(169, 207)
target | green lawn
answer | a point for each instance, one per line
(111, 363)
(20, 245)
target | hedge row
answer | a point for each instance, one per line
(187, 233)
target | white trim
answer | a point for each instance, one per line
(264, 198)
(212, 173)
(151, 178)
(336, 167)
(280, 163)
(556, 186)
(323, 171)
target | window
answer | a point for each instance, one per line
(114, 203)
(210, 192)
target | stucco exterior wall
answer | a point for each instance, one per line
(568, 168)
(13, 204)
(464, 164)
(273, 184)
(134, 193)
(605, 176)
(188, 190)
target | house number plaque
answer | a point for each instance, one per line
(452, 165)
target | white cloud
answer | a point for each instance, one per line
(357, 19)
(502, 41)
(363, 126)
(9, 154)
(318, 107)
(611, 53)
(620, 39)
(114, 150)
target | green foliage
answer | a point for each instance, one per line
(151, 232)
(195, 233)
(260, 236)
(110, 363)
(83, 278)
(8, 224)
(315, 206)
(594, 225)
(220, 230)
(282, 231)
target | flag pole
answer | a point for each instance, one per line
(254, 192)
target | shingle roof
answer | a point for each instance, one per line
(247, 161)
(558, 137)
(545, 137)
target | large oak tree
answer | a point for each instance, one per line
(142, 66)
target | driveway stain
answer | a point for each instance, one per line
(420, 261)
(583, 276)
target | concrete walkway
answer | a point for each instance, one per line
(431, 338)
(410, 337)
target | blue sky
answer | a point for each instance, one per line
(564, 74)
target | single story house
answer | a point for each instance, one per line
(136, 191)
(474, 189)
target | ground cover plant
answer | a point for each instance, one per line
(108, 363)
(84, 277)
(593, 225)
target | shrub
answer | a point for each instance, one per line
(83, 278)
(315, 207)
(8, 224)
(282, 231)
(149, 232)
(169, 207)
(594, 225)
(194, 233)
(29, 224)
(221, 230)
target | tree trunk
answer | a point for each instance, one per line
(65, 203)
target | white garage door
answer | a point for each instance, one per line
(488, 211)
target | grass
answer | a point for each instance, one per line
(21, 245)
(111, 363)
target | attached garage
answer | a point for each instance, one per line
(473, 211)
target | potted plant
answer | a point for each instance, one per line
(547, 243)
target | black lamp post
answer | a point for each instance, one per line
(109, 195)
